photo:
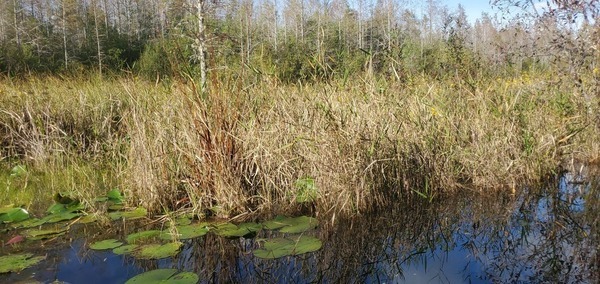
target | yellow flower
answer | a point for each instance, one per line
(433, 111)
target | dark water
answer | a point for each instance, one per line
(540, 235)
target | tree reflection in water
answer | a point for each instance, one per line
(547, 234)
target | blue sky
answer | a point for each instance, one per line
(473, 8)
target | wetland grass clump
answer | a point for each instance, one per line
(237, 150)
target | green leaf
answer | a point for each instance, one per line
(14, 215)
(18, 171)
(29, 223)
(183, 278)
(276, 223)
(187, 232)
(56, 208)
(18, 262)
(115, 196)
(306, 244)
(230, 230)
(54, 218)
(183, 221)
(164, 276)
(106, 244)
(307, 190)
(34, 234)
(292, 225)
(7, 208)
(299, 225)
(141, 236)
(280, 247)
(61, 208)
(115, 207)
(126, 249)
(139, 212)
(157, 251)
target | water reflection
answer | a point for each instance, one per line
(549, 234)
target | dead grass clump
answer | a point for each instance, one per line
(365, 144)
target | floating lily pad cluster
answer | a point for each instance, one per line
(18, 262)
(54, 223)
(147, 251)
(150, 244)
(19, 218)
(291, 245)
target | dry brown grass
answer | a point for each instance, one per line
(366, 144)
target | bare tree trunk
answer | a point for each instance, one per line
(64, 31)
(201, 45)
(275, 25)
(16, 24)
(96, 30)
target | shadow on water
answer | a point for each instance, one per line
(547, 234)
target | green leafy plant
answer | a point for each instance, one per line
(18, 262)
(307, 190)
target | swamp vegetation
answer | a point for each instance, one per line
(214, 141)
(340, 148)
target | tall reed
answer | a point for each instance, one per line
(240, 150)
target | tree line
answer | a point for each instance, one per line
(291, 39)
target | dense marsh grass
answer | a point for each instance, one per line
(241, 150)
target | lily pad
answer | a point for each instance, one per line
(29, 223)
(34, 234)
(18, 262)
(116, 207)
(299, 225)
(62, 208)
(157, 251)
(292, 225)
(183, 221)
(187, 232)
(164, 276)
(54, 218)
(126, 249)
(280, 247)
(230, 230)
(106, 244)
(141, 236)
(14, 215)
(275, 248)
(139, 212)
(276, 223)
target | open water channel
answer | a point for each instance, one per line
(539, 235)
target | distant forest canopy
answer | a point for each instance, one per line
(294, 39)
